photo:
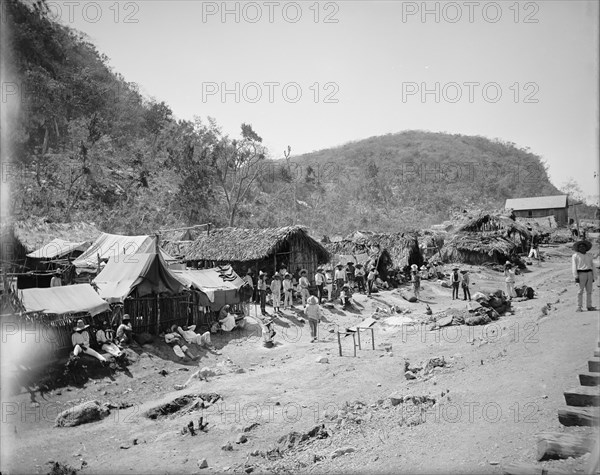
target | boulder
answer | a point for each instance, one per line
(396, 399)
(202, 463)
(227, 446)
(322, 359)
(479, 296)
(89, 411)
(241, 439)
(410, 375)
(342, 451)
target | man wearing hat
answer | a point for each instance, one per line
(359, 277)
(584, 273)
(288, 291)
(350, 274)
(312, 310)
(81, 342)
(105, 337)
(455, 281)
(304, 284)
(125, 331)
(339, 277)
(262, 290)
(276, 292)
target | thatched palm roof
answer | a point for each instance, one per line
(35, 232)
(241, 245)
(401, 247)
(486, 222)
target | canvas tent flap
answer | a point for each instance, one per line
(58, 248)
(60, 300)
(116, 246)
(146, 272)
(220, 284)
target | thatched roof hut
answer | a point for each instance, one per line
(503, 223)
(387, 250)
(22, 237)
(266, 248)
(478, 248)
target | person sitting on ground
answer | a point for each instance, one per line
(584, 273)
(304, 284)
(380, 284)
(359, 278)
(125, 331)
(81, 342)
(105, 336)
(226, 318)
(345, 295)
(190, 336)
(312, 310)
(174, 340)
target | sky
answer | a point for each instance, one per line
(314, 75)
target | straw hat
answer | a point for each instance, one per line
(277, 276)
(80, 326)
(303, 271)
(312, 300)
(350, 264)
(287, 276)
(339, 264)
(126, 317)
(587, 244)
(455, 268)
(414, 267)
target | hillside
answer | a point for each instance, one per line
(87, 146)
(408, 179)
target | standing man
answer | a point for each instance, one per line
(350, 274)
(320, 283)
(359, 277)
(455, 281)
(582, 266)
(276, 292)
(262, 291)
(371, 280)
(339, 277)
(304, 284)
(313, 313)
(465, 285)
(248, 279)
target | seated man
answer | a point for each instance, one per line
(106, 337)
(81, 342)
(125, 331)
(226, 318)
(190, 336)
(345, 295)
(174, 340)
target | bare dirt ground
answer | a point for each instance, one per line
(502, 384)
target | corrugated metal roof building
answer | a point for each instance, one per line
(541, 206)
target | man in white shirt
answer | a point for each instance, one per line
(304, 284)
(81, 342)
(319, 282)
(105, 337)
(584, 273)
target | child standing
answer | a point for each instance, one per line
(312, 310)
(276, 292)
(288, 287)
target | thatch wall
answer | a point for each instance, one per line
(258, 249)
(388, 250)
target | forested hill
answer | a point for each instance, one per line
(420, 177)
(86, 145)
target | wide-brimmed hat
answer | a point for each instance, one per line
(350, 264)
(339, 264)
(303, 271)
(358, 265)
(346, 286)
(455, 268)
(287, 276)
(587, 244)
(173, 328)
(312, 300)
(277, 276)
(79, 326)
(126, 317)
(414, 267)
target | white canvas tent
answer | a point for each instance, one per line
(58, 248)
(117, 247)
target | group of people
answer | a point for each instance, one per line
(107, 339)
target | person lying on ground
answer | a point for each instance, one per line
(190, 336)
(81, 342)
(106, 338)
(125, 331)
(174, 340)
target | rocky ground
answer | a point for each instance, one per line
(479, 396)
